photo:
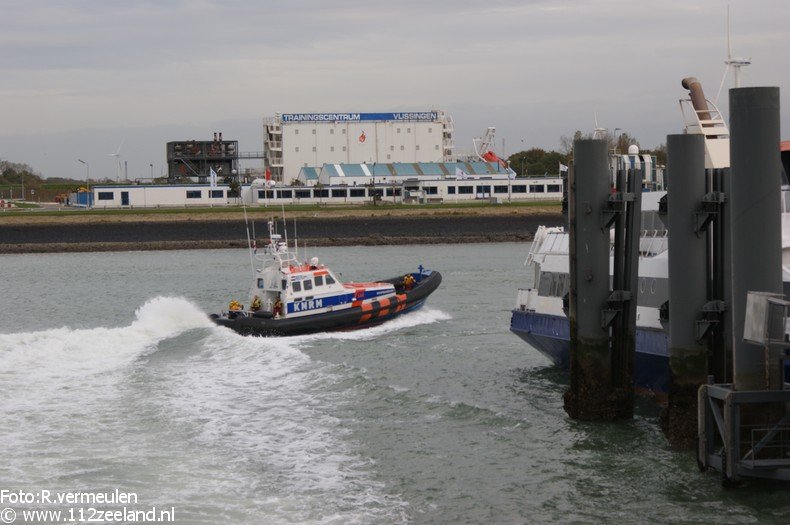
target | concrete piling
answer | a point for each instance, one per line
(688, 286)
(590, 391)
(756, 223)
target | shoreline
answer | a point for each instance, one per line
(312, 231)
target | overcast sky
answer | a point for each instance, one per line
(80, 78)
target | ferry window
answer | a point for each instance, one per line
(330, 279)
(519, 188)
(308, 284)
(465, 189)
(216, 194)
(451, 190)
(285, 284)
(537, 188)
(194, 194)
(106, 196)
(500, 189)
(260, 283)
(319, 280)
(297, 286)
(302, 194)
(554, 188)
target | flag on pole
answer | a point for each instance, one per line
(213, 178)
(268, 174)
(563, 167)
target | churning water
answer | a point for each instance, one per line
(111, 377)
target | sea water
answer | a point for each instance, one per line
(113, 379)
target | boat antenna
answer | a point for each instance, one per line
(296, 242)
(285, 225)
(249, 243)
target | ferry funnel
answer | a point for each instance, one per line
(697, 97)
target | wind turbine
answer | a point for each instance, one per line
(735, 63)
(117, 156)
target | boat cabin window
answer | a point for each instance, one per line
(285, 284)
(308, 284)
(319, 280)
(329, 280)
(260, 282)
(297, 286)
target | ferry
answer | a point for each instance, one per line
(289, 297)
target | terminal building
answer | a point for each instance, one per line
(292, 141)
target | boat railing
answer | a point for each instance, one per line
(656, 242)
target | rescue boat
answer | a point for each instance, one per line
(289, 297)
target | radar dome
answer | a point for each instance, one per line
(633, 149)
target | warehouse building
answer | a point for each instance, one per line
(293, 141)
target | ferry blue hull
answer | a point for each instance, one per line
(550, 335)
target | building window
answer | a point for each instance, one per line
(302, 194)
(437, 147)
(216, 194)
(392, 148)
(519, 188)
(296, 149)
(344, 132)
(418, 147)
(431, 190)
(465, 190)
(408, 130)
(344, 148)
(284, 194)
(194, 194)
(500, 189)
(537, 188)
(331, 148)
(338, 193)
(296, 132)
(313, 132)
(398, 130)
(331, 131)
(321, 193)
(357, 192)
(401, 148)
(484, 189)
(451, 190)
(106, 196)
(430, 130)
(313, 148)
(389, 156)
(554, 188)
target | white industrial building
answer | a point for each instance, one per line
(348, 184)
(293, 141)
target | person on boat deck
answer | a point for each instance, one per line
(277, 309)
(408, 282)
(235, 306)
(256, 304)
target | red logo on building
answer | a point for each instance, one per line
(362, 137)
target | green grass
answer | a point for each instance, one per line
(383, 208)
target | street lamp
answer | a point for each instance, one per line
(152, 171)
(87, 184)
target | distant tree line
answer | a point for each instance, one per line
(537, 161)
